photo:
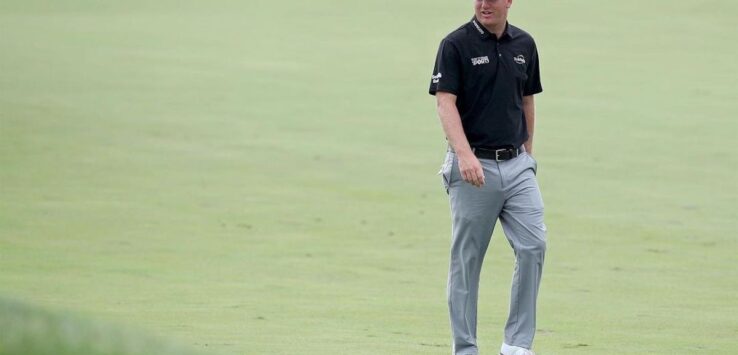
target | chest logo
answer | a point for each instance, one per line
(519, 59)
(480, 60)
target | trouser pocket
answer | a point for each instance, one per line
(534, 163)
(446, 168)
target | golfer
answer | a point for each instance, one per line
(485, 76)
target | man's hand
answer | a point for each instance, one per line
(471, 169)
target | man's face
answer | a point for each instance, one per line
(491, 13)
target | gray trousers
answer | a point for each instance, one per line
(511, 194)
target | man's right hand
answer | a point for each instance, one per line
(471, 169)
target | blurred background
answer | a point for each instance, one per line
(248, 177)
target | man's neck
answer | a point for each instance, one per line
(497, 30)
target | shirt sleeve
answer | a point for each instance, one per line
(447, 71)
(533, 84)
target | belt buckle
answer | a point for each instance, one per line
(497, 153)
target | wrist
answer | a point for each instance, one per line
(465, 154)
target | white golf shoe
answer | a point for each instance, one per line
(514, 350)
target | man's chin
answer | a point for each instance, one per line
(486, 21)
(488, 24)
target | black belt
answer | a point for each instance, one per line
(496, 154)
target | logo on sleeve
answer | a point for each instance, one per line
(519, 59)
(436, 78)
(480, 60)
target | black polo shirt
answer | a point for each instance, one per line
(489, 76)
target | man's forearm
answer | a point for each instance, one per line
(529, 109)
(451, 123)
(469, 166)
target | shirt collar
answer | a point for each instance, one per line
(484, 33)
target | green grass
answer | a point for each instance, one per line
(259, 176)
(31, 331)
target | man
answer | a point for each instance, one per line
(484, 79)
